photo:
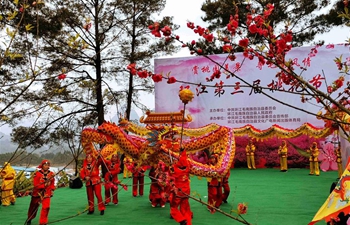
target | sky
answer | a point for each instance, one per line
(184, 11)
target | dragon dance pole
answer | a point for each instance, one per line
(185, 95)
(172, 137)
(182, 127)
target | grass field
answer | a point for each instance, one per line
(273, 198)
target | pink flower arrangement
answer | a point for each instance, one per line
(328, 158)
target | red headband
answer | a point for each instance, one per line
(45, 161)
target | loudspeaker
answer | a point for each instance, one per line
(75, 182)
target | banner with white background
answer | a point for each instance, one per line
(245, 106)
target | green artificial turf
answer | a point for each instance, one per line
(273, 198)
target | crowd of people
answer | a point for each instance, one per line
(169, 184)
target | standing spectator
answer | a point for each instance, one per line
(226, 186)
(214, 188)
(44, 185)
(8, 175)
(138, 178)
(313, 151)
(111, 179)
(90, 173)
(282, 152)
(250, 150)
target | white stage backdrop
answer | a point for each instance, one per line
(245, 106)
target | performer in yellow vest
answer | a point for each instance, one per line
(8, 175)
(337, 152)
(250, 149)
(314, 168)
(127, 173)
(282, 152)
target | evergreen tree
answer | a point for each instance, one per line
(338, 16)
(301, 17)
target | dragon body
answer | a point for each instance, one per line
(149, 145)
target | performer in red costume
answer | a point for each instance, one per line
(157, 188)
(163, 177)
(179, 177)
(90, 173)
(111, 179)
(214, 189)
(138, 180)
(44, 185)
(226, 187)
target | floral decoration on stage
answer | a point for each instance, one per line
(328, 158)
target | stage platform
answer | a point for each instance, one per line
(273, 198)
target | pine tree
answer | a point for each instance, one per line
(301, 17)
